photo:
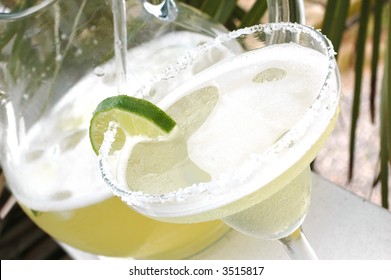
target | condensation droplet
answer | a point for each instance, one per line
(78, 52)
(59, 57)
(99, 71)
(269, 75)
(118, 43)
(61, 195)
(3, 97)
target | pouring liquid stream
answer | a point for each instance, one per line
(120, 44)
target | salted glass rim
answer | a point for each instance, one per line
(140, 199)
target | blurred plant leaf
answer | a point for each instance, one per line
(385, 122)
(334, 21)
(194, 3)
(386, 101)
(254, 15)
(220, 11)
(375, 54)
(360, 55)
(384, 132)
(209, 7)
(224, 10)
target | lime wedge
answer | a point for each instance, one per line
(135, 117)
(157, 162)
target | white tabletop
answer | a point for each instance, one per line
(339, 225)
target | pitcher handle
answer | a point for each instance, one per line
(286, 11)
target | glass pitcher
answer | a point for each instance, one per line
(56, 64)
(58, 60)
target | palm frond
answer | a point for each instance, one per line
(254, 15)
(375, 54)
(334, 21)
(384, 133)
(385, 126)
(360, 55)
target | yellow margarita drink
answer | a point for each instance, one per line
(242, 154)
(262, 96)
(110, 228)
(54, 176)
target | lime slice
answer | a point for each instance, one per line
(157, 162)
(135, 117)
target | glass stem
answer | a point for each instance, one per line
(297, 246)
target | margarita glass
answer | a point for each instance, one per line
(57, 62)
(246, 130)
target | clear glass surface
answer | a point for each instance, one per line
(253, 108)
(58, 62)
